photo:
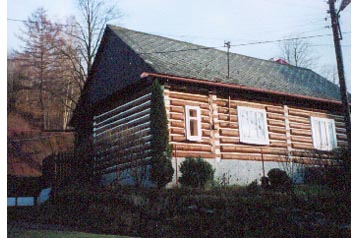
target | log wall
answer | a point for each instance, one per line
(130, 120)
(289, 127)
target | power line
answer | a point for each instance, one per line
(286, 39)
(36, 22)
(243, 44)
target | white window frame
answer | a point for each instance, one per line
(265, 140)
(314, 134)
(187, 123)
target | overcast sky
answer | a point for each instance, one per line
(210, 23)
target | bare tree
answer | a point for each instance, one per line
(15, 77)
(298, 52)
(330, 73)
(95, 14)
(83, 37)
(41, 37)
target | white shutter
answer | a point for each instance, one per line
(323, 133)
(252, 125)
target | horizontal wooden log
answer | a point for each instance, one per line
(306, 139)
(223, 110)
(227, 140)
(278, 110)
(195, 154)
(342, 143)
(180, 131)
(275, 116)
(142, 99)
(226, 132)
(190, 147)
(275, 123)
(341, 137)
(232, 125)
(302, 146)
(177, 138)
(206, 133)
(300, 126)
(340, 130)
(205, 119)
(304, 114)
(254, 157)
(224, 117)
(299, 120)
(191, 97)
(177, 109)
(275, 129)
(281, 144)
(177, 116)
(277, 136)
(181, 124)
(253, 149)
(301, 132)
(186, 103)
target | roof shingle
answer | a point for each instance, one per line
(211, 64)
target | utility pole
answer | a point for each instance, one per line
(343, 89)
(227, 44)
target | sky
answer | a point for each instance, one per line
(210, 23)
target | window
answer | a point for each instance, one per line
(323, 133)
(252, 126)
(193, 123)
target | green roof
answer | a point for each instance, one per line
(172, 57)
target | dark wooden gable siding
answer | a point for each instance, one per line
(116, 67)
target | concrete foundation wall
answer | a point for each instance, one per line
(240, 172)
(229, 172)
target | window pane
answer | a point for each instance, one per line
(193, 127)
(193, 113)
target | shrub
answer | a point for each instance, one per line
(196, 172)
(339, 176)
(161, 171)
(253, 187)
(279, 179)
(314, 175)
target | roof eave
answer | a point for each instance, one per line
(238, 86)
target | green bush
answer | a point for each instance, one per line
(196, 172)
(161, 171)
(338, 177)
(253, 187)
(279, 180)
(314, 175)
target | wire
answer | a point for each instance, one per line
(286, 39)
(36, 22)
(243, 44)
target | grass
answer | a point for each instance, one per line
(26, 233)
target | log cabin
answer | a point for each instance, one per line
(245, 121)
